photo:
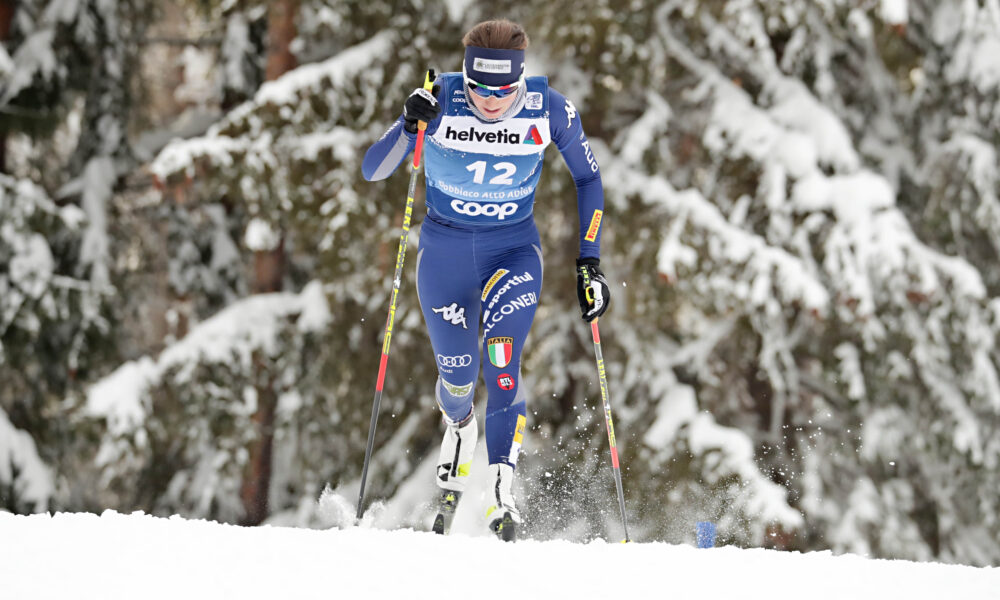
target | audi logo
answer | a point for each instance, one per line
(454, 361)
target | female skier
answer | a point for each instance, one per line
(479, 262)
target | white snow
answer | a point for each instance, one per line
(118, 397)
(114, 556)
(973, 31)
(180, 154)
(457, 9)
(285, 90)
(32, 265)
(98, 180)
(765, 499)
(199, 86)
(232, 334)
(6, 64)
(35, 482)
(33, 58)
(260, 236)
(894, 12)
(797, 109)
(676, 408)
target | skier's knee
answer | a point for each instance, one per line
(454, 400)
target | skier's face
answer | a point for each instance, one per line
(492, 106)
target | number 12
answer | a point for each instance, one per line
(479, 168)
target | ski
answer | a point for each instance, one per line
(446, 506)
(504, 527)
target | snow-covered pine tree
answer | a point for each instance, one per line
(799, 233)
(64, 105)
(761, 148)
(283, 159)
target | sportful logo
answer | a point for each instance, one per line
(533, 136)
(500, 350)
(453, 314)
(515, 280)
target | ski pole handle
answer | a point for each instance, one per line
(422, 125)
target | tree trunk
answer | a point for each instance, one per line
(6, 21)
(269, 271)
(257, 479)
(281, 32)
(6, 18)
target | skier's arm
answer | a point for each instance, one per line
(567, 133)
(385, 155)
(592, 287)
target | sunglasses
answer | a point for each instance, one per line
(500, 91)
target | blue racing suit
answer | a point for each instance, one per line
(480, 261)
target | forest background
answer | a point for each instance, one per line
(802, 231)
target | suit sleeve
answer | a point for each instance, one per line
(385, 155)
(388, 152)
(567, 133)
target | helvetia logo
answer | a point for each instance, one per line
(533, 136)
(493, 137)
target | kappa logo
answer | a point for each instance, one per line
(453, 314)
(570, 113)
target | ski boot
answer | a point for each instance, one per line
(454, 465)
(503, 518)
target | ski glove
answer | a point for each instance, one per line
(421, 106)
(591, 288)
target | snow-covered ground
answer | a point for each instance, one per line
(83, 556)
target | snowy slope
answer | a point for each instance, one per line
(84, 556)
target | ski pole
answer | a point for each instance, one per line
(606, 397)
(396, 281)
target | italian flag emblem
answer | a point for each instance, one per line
(499, 349)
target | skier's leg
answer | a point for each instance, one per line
(508, 311)
(448, 288)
